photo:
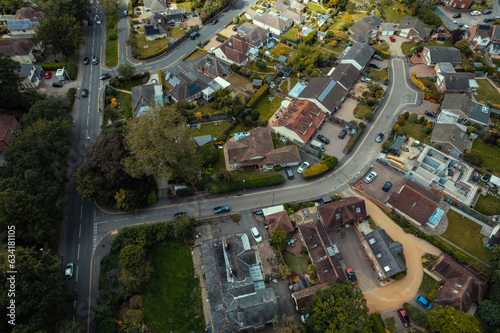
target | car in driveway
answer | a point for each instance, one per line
(323, 139)
(221, 209)
(256, 235)
(342, 134)
(370, 177)
(374, 65)
(57, 85)
(423, 302)
(404, 317)
(387, 186)
(85, 93)
(235, 28)
(219, 39)
(289, 173)
(86, 60)
(377, 57)
(487, 12)
(392, 38)
(95, 60)
(488, 19)
(457, 16)
(179, 214)
(68, 271)
(431, 113)
(48, 75)
(351, 276)
(366, 79)
(379, 137)
(105, 76)
(475, 13)
(303, 167)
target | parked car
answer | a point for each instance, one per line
(431, 113)
(392, 38)
(377, 57)
(460, 25)
(351, 276)
(125, 13)
(48, 75)
(57, 85)
(466, 27)
(365, 79)
(487, 12)
(456, 22)
(222, 209)
(387, 186)
(370, 177)
(382, 41)
(488, 19)
(215, 21)
(374, 65)
(85, 93)
(342, 134)
(86, 60)
(457, 15)
(423, 302)
(380, 137)
(105, 76)
(323, 139)
(180, 214)
(303, 318)
(303, 167)
(95, 60)
(265, 4)
(219, 39)
(404, 317)
(475, 13)
(68, 272)
(289, 173)
(235, 28)
(256, 235)
(97, 19)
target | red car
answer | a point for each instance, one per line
(392, 39)
(48, 75)
(404, 317)
(351, 276)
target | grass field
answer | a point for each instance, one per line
(408, 47)
(487, 93)
(362, 111)
(291, 34)
(210, 128)
(253, 67)
(267, 107)
(490, 155)
(391, 15)
(488, 204)
(152, 46)
(111, 53)
(315, 8)
(466, 234)
(128, 85)
(298, 265)
(176, 32)
(342, 20)
(428, 283)
(184, 5)
(172, 302)
(415, 131)
(377, 74)
(275, 51)
(284, 85)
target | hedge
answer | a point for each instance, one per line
(236, 185)
(383, 54)
(352, 140)
(257, 96)
(320, 168)
(184, 192)
(222, 36)
(417, 82)
(160, 78)
(377, 323)
(153, 55)
(486, 69)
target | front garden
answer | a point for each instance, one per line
(487, 93)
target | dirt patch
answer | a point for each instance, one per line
(358, 89)
(240, 82)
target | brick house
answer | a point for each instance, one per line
(413, 29)
(480, 36)
(338, 213)
(233, 50)
(457, 4)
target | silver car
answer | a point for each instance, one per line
(68, 272)
(303, 167)
(370, 177)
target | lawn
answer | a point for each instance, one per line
(338, 49)
(391, 15)
(316, 8)
(376, 74)
(488, 204)
(408, 48)
(176, 32)
(250, 174)
(207, 109)
(220, 164)
(241, 128)
(111, 53)
(267, 107)
(291, 34)
(487, 93)
(340, 21)
(172, 301)
(276, 51)
(184, 5)
(124, 100)
(415, 131)
(238, 81)
(194, 55)
(152, 46)
(440, 43)
(253, 67)
(362, 111)
(428, 283)
(466, 234)
(490, 155)
(284, 85)
(128, 85)
(298, 265)
(209, 128)
(429, 84)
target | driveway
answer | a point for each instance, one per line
(395, 47)
(45, 86)
(346, 111)
(384, 173)
(426, 105)
(423, 70)
(399, 325)
(336, 145)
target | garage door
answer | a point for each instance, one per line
(404, 33)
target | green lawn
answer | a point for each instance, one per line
(184, 5)
(207, 109)
(254, 68)
(111, 53)
(315, 8)
(250, 174)
(267, 107)
(128, 85)
(275, 51)
(241, 128)
(407, 47)
(488, 153)
(487, 93)
(194, 55)
(429, 84)
(284, 85)
(298, 265)
(209, 128)
(172, 301)
(376, 74)
(176, 32)
(362, 111)
(125, 102)
(391, 15)
(428, 283)
(466, 234)
(488, 204)
(338, 49)
(340, 21)
(220, 164)
(291, 34)
(415, 131)
(440, 43)
(152, 46)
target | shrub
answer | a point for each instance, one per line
(236, 217)
(417, 82)
(377, 323)
(151, 199)
(399, 276)
(184, 192)
(215, 187)
(412, 118)
(386, 145)
(432, 295)
(406, 114)
(277, 168)
(320, 168)
(415, 314)
(353, 139)
(258, 96)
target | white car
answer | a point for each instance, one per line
(365, 79)
(256, 235)
(97, 19)
(475, 13)
(370, 177)
(302, 167)
(68, 272)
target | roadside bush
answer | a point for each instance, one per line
(184, 192)
(151, 199)
(386, 145)
(258, 96)
(277, 168)
(153, 55)
(208, 183)
(377, 323)
(417, 82)
(71, 96)
(353, 140)
(432, 295)
(320, 168)
(236, 217)
(406, 114)
(417, 315)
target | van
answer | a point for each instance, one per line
(194, 35)
(289, 173)
(317, 145)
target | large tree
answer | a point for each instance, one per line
(9, 82)
(162, 146)
(63, 32)
(48, 109)
(449, 320)
(126, 71)
(286, 325)
(9, 6)
(79, 9)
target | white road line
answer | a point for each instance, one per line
(81, 211)
(78, 253)
(87, 133)
(87, 121)
(76, 273)
(80, 231)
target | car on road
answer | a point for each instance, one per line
(303, 167)
(256, 235)
(423, 302)
(387, 186)
(57, 85)
(377, 57)
(457, 16)
(48, 75)
(488, 19)
(85, 93)
(351, 276)
(219, 39)
(475, 13)
(323, 139)
(366, 79)
(68, 271)
(404, 317)
(392, 38)
(215, 21)
(431, 113)
(370, 177)
(90, 22)
(342, 134)
(86, 60)
(374, 65)
(95, 60)
(105, 76)
(379, 137)
(179, 214)
(222, 209)
(487, 12)
(125, 13)
(97, 19)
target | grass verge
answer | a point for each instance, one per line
(490, 155)
(428, 283)
(111, 53)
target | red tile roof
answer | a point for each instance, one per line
(18, 46)
(337, 213)
(413, 203)
(305, 296)
(235, 48)
(280, 219)
(303, 117)
(30, 13)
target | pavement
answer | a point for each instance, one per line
(422, 70)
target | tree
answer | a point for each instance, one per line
(9, 82)
(462, 45)
(255, 115)
(126, 71)
(9, 6)
(449, 320)
(340, 308)
(79, 9)
(350, 7)
(286, 325)
(261, 64)
(162, 146)
(279, 238)
(474, 159)
(63, 32)
(208, 154)
(48, 109)
(285, 271)
(110, 7)
(490, 312)
(236, 20)
(457, 35)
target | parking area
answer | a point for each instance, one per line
(336, 145)
(426, 105)
(384, 174)
(346, 111)
(423, 70)
(45, 86)
(399, 325)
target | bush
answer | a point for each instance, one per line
(412, 118)
(386, 145)
(399, 276)
(184, 192)
(216, 187)
(417, 82)
(432, 295)
(236, 217)
(320, 168)
(153, 55)
(415, 314)
(258, 96)
(406, 114)
(71, 96)
(277, 168)
(353, 139)
(151, 199)
(377, 323)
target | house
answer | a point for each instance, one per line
(189, 90)
(387, 29)
(255, 149)
(253, 35)
(457, 4)
(322, 18)
(321, 35)
(494, 48)
(31, 75)
(299, 121)
(435, 54)
(384, 253)
(238, 297)
(256, 84)
(480, 36)
(451, 138)
(365, 30)
(322, 252)
(280, 219)
(155, 6)
(457, 83)
(358, 55)
(325, 93)
(212, 66)
(462, 109)
(146, 96)
(461, 287)
(338, 213)
(303, 297)
(273, 23)
(286, 71)
(156, 27)
(416, 204)
(413, 29)
(345, 75)
(8, 128)
(174, 15)
(22, 50)
(396, 145)
(26, 22)
(282, 5)
(233, 50)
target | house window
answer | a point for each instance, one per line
(358, 210)
(387, 268)
(380, 274)
(370, 254)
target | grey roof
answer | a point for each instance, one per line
(444, 54)
(237, 301)
(142, 96)
(213, 66)
(257, 82)
(386, 252)
(366, 24)
(186, 90)
(202, 140)
(325, 91)
(272, 21)
(359, 52)
(156, 24)
(155, 5)
(483, 30)
(25, 71)
(283, 59)
(446, 67)
(496, 34)
(458, 82)
(480, 113)
(252, 34)
(397, 144)
(387, 27)
(457, 102)
(419, 26)
(495, 47)
(451, 134)
(345, 75)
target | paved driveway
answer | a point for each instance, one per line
(384, 173)
(346, 111)
(423, 70)
(426, 105)
(336, 145)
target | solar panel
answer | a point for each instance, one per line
(174, 81)
(327, 90)
(193, 89)
(18, 24)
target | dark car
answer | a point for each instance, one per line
(289, 173)
(374, 65)
(86, 60)
(219, 39)
(487, 12)
(457, 15)
(105, 76)
(180, 214)
(323, 139)
(423, 302)
(342, 134)
(90, 22)
(431, 113)
(215, 21)
(488, 19)
(95, 60)
(387, 186)
(351, 276)
(57, 85)
(377, 57)
(85, 93)
(460, 25)
(265, 4)
(235, 28)
(404, 318)
(222, 209)
(380, 137)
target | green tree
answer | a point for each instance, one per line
(340, 308)
(462, 45)
(236, 20)
(285, 271)
(131, 257)
(490, 312)
(449, 320)
(10, 81)
(48, 109)
(279, 238)
(208, 154)
(63, 32)
(126, 71)
(495, 266)
(79, 9)
(8, 6)
(162, 146)
(286, 325)
(110, 7)
(255, 115)
(261, 64)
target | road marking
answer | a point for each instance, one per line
(182, 69)
(78, 253)
(81, 213)
(103, 222)
(76, 274)
(80, 231)
(87, 120)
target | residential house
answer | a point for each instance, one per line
(461, 287)
(255, 149)
(239, 299)
(384, 254)
(345, 74)
(273, 23)
(365, 30)
(26, 22)
(451, 138)
(174, 15)
(457, 4)
(8, 128)
(253, 34)
(413, 29)
(146, 96)
(462, 109)
(155, 6)
(233, 50)
(257, 83)
(480, 36)
(156, 27)
(338, 213)
(31, 75)
(358, 55)
(282, 5)
(433, 55)
(457, 83)
(280, 219)
(299, 121)
(322, 18)
(189, 89)
(22, 50)
(322, 252)
(212, 66)
(303, 297)
(387, 29)
(494, 48)
(325, 93)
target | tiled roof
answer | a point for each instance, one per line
(156, 5)
(280, 219)
(304, 296)
(317, 86)
(247, 149)
(451, 134)
(7, 123)
(443, 54)
(16, 47)
(386, 252)
(345, 75)
(252, 34)
(483, 31)
(496, 34)
(272, 21)
(458, 82)
(337, 213)
(30, 13)
(187, 90)
(235, 49)
(213, 66)
(156, 24)
(142, 96)
(366, 24)
(361, 53)
(413, 203)
(457, 102)
(419, 26)
(284, 155)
